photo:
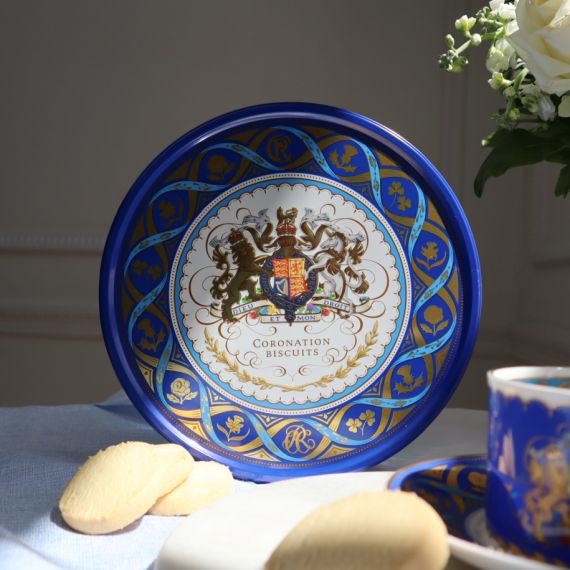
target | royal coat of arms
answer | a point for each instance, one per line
(291, 294)
(273, 265)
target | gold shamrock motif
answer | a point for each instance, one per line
(368, 417)
(167, 209)
(353, 424)
(171, 212)
(404, 204)
(396, 188)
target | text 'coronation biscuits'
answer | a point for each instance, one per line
(389, 530)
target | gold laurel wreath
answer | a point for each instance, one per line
(342, 372)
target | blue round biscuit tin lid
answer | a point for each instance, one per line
(290, 289)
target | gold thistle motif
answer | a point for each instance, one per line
(297, 440)
(343, 161)
(409, 381)
(180, 391)
(152, 271)
(233, 426)
(150, 339)
(219, 167)
(341, 372)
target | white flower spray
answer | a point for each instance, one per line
(529, 62)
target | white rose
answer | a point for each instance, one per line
(504, 10)
(543, 41)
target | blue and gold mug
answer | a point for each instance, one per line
(528, 485)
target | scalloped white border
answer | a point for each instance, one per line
(359, 199)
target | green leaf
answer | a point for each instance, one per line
(563, 184)
(520, 147)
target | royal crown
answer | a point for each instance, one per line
(286, 229)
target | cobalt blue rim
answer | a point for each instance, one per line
(471, 460)
(435, 187)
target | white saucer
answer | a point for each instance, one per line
(241, 532)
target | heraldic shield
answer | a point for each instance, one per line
(292, 286)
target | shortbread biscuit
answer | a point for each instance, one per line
(119, 484)
(208, 481)
(388, 530)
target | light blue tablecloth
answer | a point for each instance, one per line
(41, 447)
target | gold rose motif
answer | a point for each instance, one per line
(180, 391)
(434, 316)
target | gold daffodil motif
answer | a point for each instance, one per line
(430, 251)
(233, 427)
(430, 256)
(235, 424)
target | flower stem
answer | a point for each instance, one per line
(463, 47)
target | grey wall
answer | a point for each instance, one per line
(93, 91)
